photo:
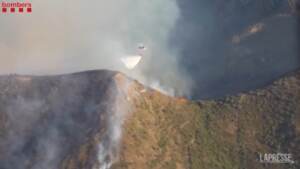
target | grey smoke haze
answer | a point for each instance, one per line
(108, 149)
(62, 37)
(55, 114)
(69, 36)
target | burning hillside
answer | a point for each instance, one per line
(102, 119)
(45, 120)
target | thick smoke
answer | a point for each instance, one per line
(110, 143)
(46, 118)
(69, 36)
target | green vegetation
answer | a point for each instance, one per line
(222, 134)
(164, 132)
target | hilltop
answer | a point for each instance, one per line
(60, 121)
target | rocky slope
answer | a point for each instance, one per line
(73, 121)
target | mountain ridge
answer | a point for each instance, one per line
(74, 121)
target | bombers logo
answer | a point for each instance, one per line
(16, 7)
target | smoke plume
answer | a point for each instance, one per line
(70, 36)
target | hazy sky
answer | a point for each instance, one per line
(67, 36)
(188, 42)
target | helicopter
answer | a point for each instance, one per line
(131, 61)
